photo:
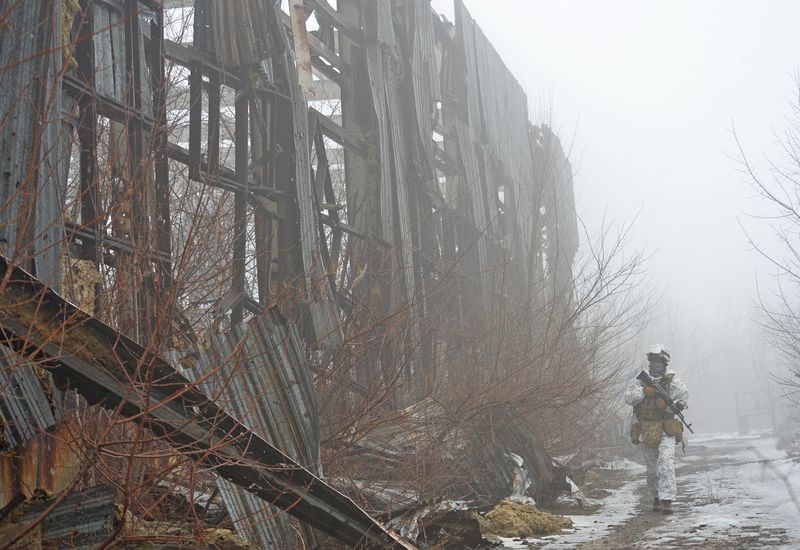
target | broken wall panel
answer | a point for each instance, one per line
(492, 174)
(483, 152)
(559, 249)
(27, 405)
(258, 374)
(390, 214)
(81, 520)
(48, 462)
(321, 300)
(502, 108)
(31, 228)
(100, 364)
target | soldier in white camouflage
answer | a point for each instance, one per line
(656, 427)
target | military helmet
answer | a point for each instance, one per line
(658, 350)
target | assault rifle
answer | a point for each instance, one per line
(676, 408)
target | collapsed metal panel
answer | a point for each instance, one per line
(102, 365)
(405, 238)
(257, 372)
(81, 520)
(25, 408)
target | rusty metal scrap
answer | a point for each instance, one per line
(47, 462)
(99, 363)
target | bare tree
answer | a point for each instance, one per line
(779, 186)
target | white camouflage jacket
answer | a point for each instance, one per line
(677, 391)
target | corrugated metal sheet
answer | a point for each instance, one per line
(30, 106)
(259, 374)
(384, 23)
(48, 242)
(100, 363)
(17, 41)
(465, 35)
(240, 31)
(49, 461)
(425, 80)
(24, 404)
(81, 521)
(498, 116)
(109, 51)
(377, 81)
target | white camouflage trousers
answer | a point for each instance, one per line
(661, 469)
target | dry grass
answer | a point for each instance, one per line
(515, 519)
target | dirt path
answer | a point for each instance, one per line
(735, 493)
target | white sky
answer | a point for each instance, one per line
(649, 91)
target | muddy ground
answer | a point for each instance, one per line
(734, 493)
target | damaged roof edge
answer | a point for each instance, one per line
(41, 321)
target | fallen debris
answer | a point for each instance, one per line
(456, 524)
(78, 520)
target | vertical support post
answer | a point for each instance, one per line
(240, 205)
(195, 118)
(137, 178)
(259, 141)
(162, 192)
(87, 137)
(213, 123)
(135, 132)
(302, 52)
(352, 105)
(356, 118)
(322, 302)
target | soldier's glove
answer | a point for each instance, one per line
(680, 405)
(649, 391)
(661, 404)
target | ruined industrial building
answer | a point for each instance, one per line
(283, 275)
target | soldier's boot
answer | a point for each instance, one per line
(666, 507)
(656, 505)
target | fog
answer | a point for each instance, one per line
(649, 94)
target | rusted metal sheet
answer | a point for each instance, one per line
(102, 364)
(49, 462)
